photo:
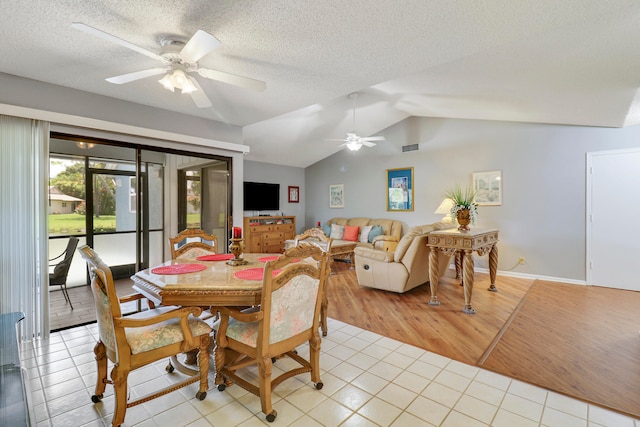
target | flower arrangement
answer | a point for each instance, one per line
(463, 199)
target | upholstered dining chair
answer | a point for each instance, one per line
(142, 338)
(192, 243)
(287, 317)
(317, 237)
(61, 269)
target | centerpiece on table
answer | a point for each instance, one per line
(464, 208)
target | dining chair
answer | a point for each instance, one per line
(287, 317)
(192, 243)
(140, 339)
(317, 237)
(61, 269)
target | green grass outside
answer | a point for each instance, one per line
(75, 224)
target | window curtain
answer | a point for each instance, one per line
(24, 180)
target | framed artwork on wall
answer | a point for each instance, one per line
(336, 196)
(400, 189)
(488, 188)
(294, 194)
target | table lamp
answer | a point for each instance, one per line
(445, 209)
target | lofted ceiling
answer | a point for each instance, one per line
(574, 62)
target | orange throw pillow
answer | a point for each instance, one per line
(351, 233)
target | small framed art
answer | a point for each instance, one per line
(488, 188)
(294, 194)
(336, 196)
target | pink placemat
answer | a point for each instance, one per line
(273, 258)
(253, 273)
(215, 257)
(178, 269)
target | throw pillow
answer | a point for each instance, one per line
(326, 229)
(375, 232)
(364, 233)
(351, 233)
(337, 231)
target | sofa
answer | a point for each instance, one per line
(404, 268)
(387, 241)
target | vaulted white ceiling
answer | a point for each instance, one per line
(573, 62)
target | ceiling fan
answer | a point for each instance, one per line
(354, 142)
(179, 59)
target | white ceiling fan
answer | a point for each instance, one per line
(179, 59)
(354, 142)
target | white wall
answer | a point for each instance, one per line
(542, 217)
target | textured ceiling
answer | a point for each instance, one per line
(571, 62)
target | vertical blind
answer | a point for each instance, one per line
(24, 175)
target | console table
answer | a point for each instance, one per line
(451, 241)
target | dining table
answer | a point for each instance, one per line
(207, 282)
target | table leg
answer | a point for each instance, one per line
(433, 276)
(493, 267)
(467, 271)
(457, 259)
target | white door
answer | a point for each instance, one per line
(613, 218)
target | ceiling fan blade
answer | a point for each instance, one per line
(367, 143)
(233, 79)
(198, 46)
(343, 140)
(130, 77)
(99, 33)
(373, 138)
(199, 97)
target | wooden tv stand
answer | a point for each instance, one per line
(267, 234)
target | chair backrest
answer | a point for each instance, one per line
(61, 269)
(192, 243)
(291, 299)
(104, 295)
(316, 237)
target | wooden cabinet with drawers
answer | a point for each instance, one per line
(267, 234)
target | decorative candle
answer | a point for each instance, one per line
(318, 223)
(237, 232)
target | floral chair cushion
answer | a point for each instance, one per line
(292, 311)
(161, 334)
(195, 253)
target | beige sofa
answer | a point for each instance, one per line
(403, 269)
(392, 230)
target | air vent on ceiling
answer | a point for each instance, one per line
(412, 147)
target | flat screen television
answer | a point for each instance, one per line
(261, 196)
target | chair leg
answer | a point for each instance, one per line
(314, 359)
(265, 366)
(119, 378)
(65, 293)
(203, 363)
(101, 361)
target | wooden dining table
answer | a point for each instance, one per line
(214, 286)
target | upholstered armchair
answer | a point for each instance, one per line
(403, 269)
(192, 243)
(287, 317)
(140, 339)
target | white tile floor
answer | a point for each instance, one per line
(369, 380)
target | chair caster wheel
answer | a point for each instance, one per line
(273, 360)
(272, 416)
(96, 398)
(170, 368)
(221, 387)
(319, 386)
(201, 395)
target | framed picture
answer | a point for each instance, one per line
(488, 188)
(336, 196)
(294, 194)
(400, 189)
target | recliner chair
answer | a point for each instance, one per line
(403, 269)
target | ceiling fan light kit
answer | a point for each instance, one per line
(179, 59)
(354, 142)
